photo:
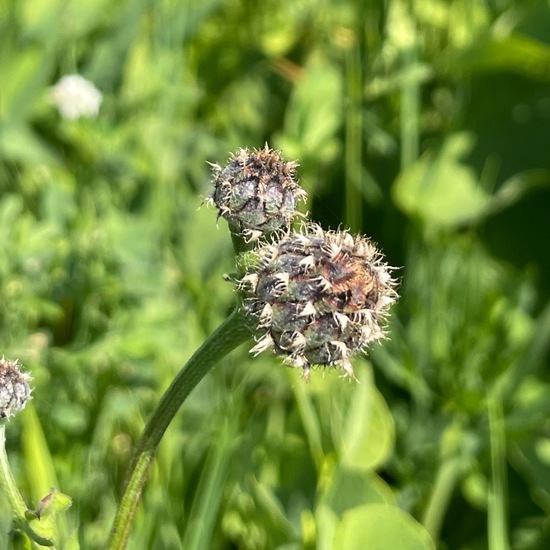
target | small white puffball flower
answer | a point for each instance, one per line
(76, 97)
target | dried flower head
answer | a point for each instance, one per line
(14, 388)
(76, 97)
(256, 191)
(317, 297)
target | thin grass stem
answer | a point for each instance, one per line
(498, 502)
(445, 483)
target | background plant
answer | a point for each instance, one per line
(421, 124)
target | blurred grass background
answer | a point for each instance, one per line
(424, 124)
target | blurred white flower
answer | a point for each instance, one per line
(76, 97)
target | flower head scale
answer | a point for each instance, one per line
(14, 388)
(317, 297)
(256, 191)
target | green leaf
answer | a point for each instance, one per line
(18, 142)
(23, 77)
(517, 52)
(41, 473)
(530, 460)
(380, 527)
(439, 189)
(351, 488)
(327, 521)
(72, 542)
(369, 433)
(315, 115)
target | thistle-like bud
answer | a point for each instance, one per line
(14, 388)
(256, 192)
(317, 297)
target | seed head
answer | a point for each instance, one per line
(317, 297)
(257, 191)
(14, 388)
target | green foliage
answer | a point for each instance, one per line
(423, 124)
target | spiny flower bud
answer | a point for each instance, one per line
(14, 388)
(317, 297)
(256, 191)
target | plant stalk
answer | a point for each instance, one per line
(498, 493)
(7, 482)
(445, 483)
(230, 334)
(17, 504)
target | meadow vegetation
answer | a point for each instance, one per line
(424, 124)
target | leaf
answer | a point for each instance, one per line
(380, 527)
(327, 521)
(41, 475)
(18, 142)
(23, 79)
(517, 187)
(517, 52)
(351, 488)
(439, 189)
(369, 433)
(314, 116)
(528, 460)
(72, 542)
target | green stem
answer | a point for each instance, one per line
(231, 333)
(354, 138)
(8, 483)
(498, 493)
(445, 482)
(410, 111)
(450, 470)
(18, 506)
(311, 425)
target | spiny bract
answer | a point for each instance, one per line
(14, 388)
(257, 191)
(317, 297)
